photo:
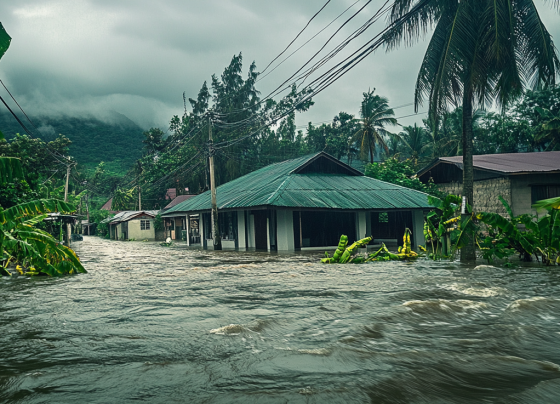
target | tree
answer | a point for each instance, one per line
(375, 116)
(480, 51)
(414, 138)
(401, 173)
(549, 133)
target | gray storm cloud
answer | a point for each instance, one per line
(138, 56)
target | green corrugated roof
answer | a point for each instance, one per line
(282, 185)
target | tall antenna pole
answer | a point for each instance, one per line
(215, 228)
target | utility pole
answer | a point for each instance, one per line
(215, 228)
(87, 212)
(139, 189)
(68, 227)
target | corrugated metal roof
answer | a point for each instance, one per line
(178, 200)
(280, 185)
(512, 163)
(129, 214)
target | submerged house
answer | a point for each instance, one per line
(128, 225)
(174, 226)
(520, 178)
(304, 203)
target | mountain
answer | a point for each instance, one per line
(116, 140)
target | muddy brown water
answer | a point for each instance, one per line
(172, 325)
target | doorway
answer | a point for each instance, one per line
(261, 234)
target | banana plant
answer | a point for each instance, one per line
(442, 225)
(505, 235)
(541, 237)
(22, 243)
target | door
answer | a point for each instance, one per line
(261, 236)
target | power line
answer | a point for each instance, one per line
(298, 35)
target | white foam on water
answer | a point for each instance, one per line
(475, 291)
(531, 303)
(442, 305)
(232, 329)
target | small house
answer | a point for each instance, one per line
(520, 178)
(175, 225)
(303, 204)
(132, 225)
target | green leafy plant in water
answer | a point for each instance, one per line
(350, 255)
(541, 237)
(443, 228)
(23, 244)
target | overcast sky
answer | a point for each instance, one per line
(138, 56)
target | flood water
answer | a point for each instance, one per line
(172, 325)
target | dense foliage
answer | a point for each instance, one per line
(22, 243)
(401, 173)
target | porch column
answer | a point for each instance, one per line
(361, 225)
(188, 229)
(241, 230)
(201, 230)
(418, 230)
(285, 230)
(251, 232)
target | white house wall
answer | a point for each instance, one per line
(418, 228)
(361, 225)
(241, 229)
(285, 230)
(135, 233)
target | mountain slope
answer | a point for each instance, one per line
(116, 140)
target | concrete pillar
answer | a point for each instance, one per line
(368, 224)
(188, 229)
(268, 234)
(361, 225)
(251, 232)
(201, 230)
(285, 230)
(418, 228)
(241, 230)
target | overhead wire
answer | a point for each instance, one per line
(298, 35)
(29, 132)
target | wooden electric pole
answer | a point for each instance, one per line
(139, 189)
(68, 226)
(215, 227)
(87, 212)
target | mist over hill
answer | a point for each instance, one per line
(114, 139)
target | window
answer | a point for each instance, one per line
(227, 221)
(144, 225)
(540, 192)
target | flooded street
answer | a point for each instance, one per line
(154, 324)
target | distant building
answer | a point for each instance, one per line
(304, 203)
(520, 178)
(136, 225)
(108, 206)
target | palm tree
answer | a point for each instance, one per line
(481, 51)
(414, 138)
(549, 134)
(376, 114)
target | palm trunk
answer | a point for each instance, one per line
(468, 253)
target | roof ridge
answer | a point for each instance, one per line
(276, 194)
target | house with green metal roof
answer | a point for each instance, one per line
(304, 203)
